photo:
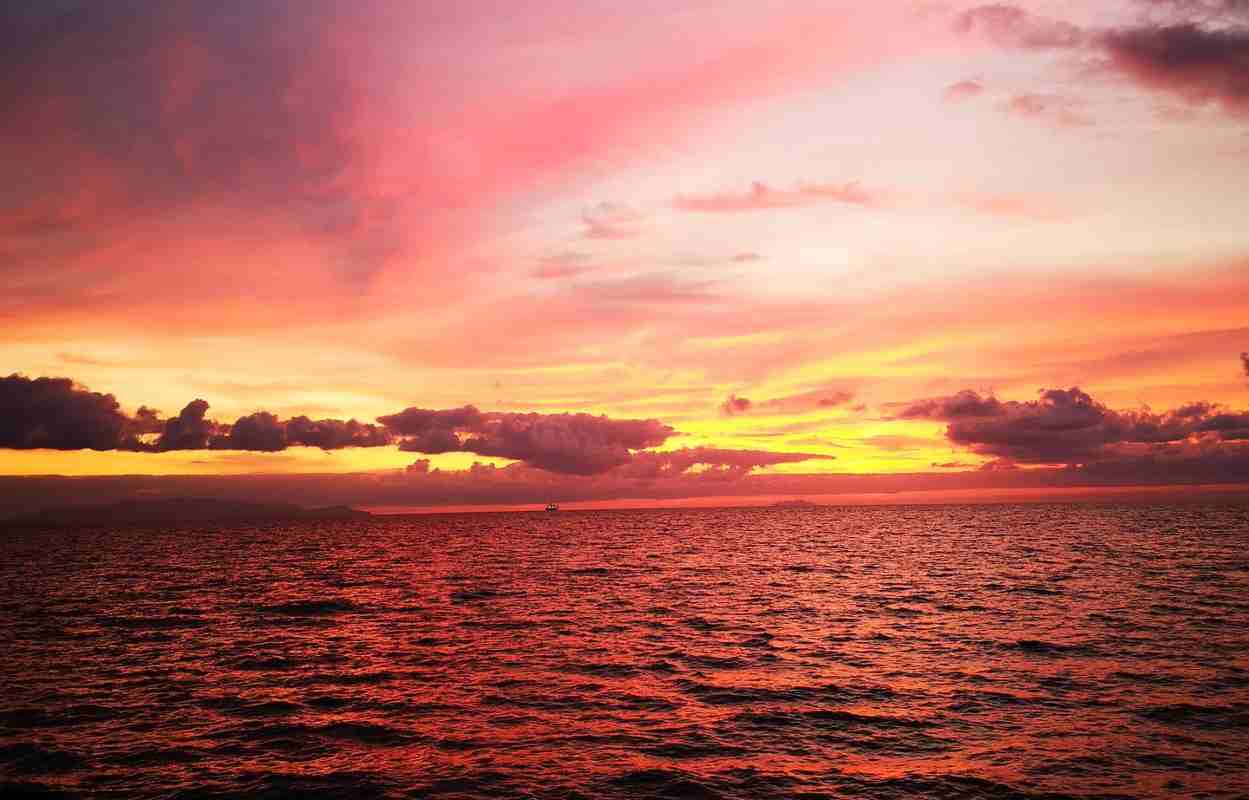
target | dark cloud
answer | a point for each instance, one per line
(334, 434)
(146, 420)
(576, 444)
(418, 421)
(189, 430)
(260, 431)
(438, 440)
(1200, 52)
(425, 430)
(1067, 426)
(1197, 64)
(966, 403)
(1244, 363)
(1010, 26)
(735, 405)
(57, 414)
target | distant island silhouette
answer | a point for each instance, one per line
(174, 510)
(795, 504)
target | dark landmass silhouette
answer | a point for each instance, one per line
(175, 510)
(795, 504)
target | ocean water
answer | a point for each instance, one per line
(1042, 651)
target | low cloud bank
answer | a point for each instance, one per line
(1069, 427)
(56, 413)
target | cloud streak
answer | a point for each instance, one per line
(761, 197)
(1013, 27)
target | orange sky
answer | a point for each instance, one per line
(828, 211)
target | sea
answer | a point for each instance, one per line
(997, 651)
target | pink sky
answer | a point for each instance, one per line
(831, 211)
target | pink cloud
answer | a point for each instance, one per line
(328, 157)
(962, 91)
(611, 221)
(1010, 26)
(761, 197)
(1052, 109)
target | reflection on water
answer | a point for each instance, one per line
(997, 651)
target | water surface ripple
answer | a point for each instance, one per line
(1035, 651)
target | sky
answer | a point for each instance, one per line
(410, 254)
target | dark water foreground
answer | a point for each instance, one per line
(941, 652)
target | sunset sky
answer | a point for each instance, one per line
(773, 244)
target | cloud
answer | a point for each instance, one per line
(761, 197)
(259, 431)
(419, 421)
(1244, 363)
(56, 413)
(189, 430)
(1010, 26)
(611, 221)
(577, 444)
(724, 464)
(835, 399)
(334, 434)
(1067, 426)
(146, 420)
(333, 156)
(1200, 55)
(1199, 65)
(1218, 12)
(562, 265)
(1053, 109)
(962, 91)
(735, 405)
(966, 403)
